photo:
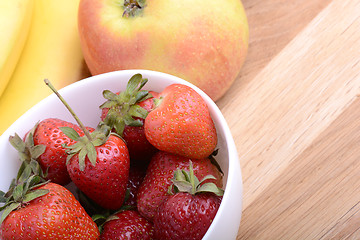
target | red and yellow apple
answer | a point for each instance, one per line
(202, 41)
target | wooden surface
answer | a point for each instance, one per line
(294, 112)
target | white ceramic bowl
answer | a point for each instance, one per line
(85, 98)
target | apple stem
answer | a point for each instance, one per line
(133, 7)
(82, 126)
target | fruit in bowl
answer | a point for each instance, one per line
(86, 96)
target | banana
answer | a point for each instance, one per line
(15, 19)
(52, 51)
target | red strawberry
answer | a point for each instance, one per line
(128, 224)
(154, 188)
(100, 171)
(98, 163)
(46, 212)
(181, 123)
(190, 211)
(184, 216)
(125, 112)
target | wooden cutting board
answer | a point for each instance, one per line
(294, 112)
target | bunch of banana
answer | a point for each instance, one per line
(15, 18)
(52, 50)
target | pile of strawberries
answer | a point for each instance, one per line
(147, 171)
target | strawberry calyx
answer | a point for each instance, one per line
(158, 101)
(186, 181)
(28, 153)
(85, 145)
(123, 108)
(22, 190)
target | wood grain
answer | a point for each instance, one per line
(294, 113)
(272, 25)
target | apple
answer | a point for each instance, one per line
(202, 41)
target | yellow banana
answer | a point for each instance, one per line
(15, 19)
(52, 51)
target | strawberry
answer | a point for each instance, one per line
(183, 216)
(128, 224)
(98, 163)
(125, 112)
(189, 212)
(53, 160)
(154, 188)
(44, 211)
(100, 168)
(181, 123)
